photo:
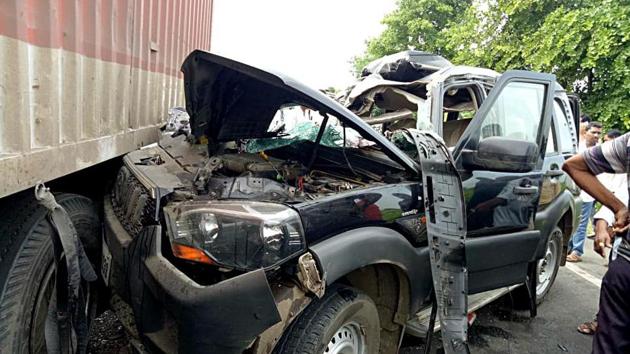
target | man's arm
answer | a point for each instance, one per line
(605, 215)
(611, 157)
(578, 170)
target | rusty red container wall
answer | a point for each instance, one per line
(84, 81)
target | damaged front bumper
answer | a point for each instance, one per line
(175, 314)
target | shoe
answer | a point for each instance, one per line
(574, 258)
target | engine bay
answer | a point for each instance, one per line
(294, 173)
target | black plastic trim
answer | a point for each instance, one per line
(175, 314)
(354, 249)
(499, 260)
(549, 217)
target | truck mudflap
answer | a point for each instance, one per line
(446, 226)
(67, 322)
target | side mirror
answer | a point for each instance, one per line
(501, 154)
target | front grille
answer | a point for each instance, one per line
(132, 203)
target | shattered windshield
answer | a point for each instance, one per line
(297, 123)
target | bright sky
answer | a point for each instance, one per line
(311, 41)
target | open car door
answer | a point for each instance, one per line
(481, 199)
(499, 158)
(574, 100)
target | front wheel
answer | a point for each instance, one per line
(547, 267)
(344, 321)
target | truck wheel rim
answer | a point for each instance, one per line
(546, 266)
(348, 339)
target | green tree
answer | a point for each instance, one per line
(415, 24)
(491, 33)
(586, 43)
(588, 48)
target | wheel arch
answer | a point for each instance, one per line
(559, 212)
(388, 286)
(356, 255)
(566, 225)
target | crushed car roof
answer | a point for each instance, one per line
(371, 82)
(406, 65)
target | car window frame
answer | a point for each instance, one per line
(554, 137)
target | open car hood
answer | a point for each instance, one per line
(229, 100)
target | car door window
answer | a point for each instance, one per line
(516, 113)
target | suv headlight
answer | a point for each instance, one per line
(236, 234)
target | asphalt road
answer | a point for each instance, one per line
(498, 329)
(573, 299)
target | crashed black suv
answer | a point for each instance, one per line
(285, 221)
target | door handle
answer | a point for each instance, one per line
(525, 190)
(554, 173)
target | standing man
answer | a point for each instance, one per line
(584, 122)
(576, 244)
(612, 134)
(592, 134)
(613, 331)
(604, 220)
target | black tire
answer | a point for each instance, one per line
(26, 265)
(551, 262)
(333, 315)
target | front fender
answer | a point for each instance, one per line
(549, 217)
(354, 249)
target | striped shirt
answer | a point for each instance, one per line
(611, 157)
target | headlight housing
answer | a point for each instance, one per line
(236, 234)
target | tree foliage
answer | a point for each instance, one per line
(586, 43)
(414, 24)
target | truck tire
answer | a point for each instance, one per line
(26, 265)
(345, 318)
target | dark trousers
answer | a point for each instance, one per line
(613, 320)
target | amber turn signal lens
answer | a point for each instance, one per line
(190, 253)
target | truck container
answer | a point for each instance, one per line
(81, 83)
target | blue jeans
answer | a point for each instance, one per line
(577, 240)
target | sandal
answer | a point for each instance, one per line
(589, 328)
(574, 258)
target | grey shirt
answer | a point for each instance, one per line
(611, 157)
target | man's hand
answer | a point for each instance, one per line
(602, 240)
(603, 237)
(622, 220)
